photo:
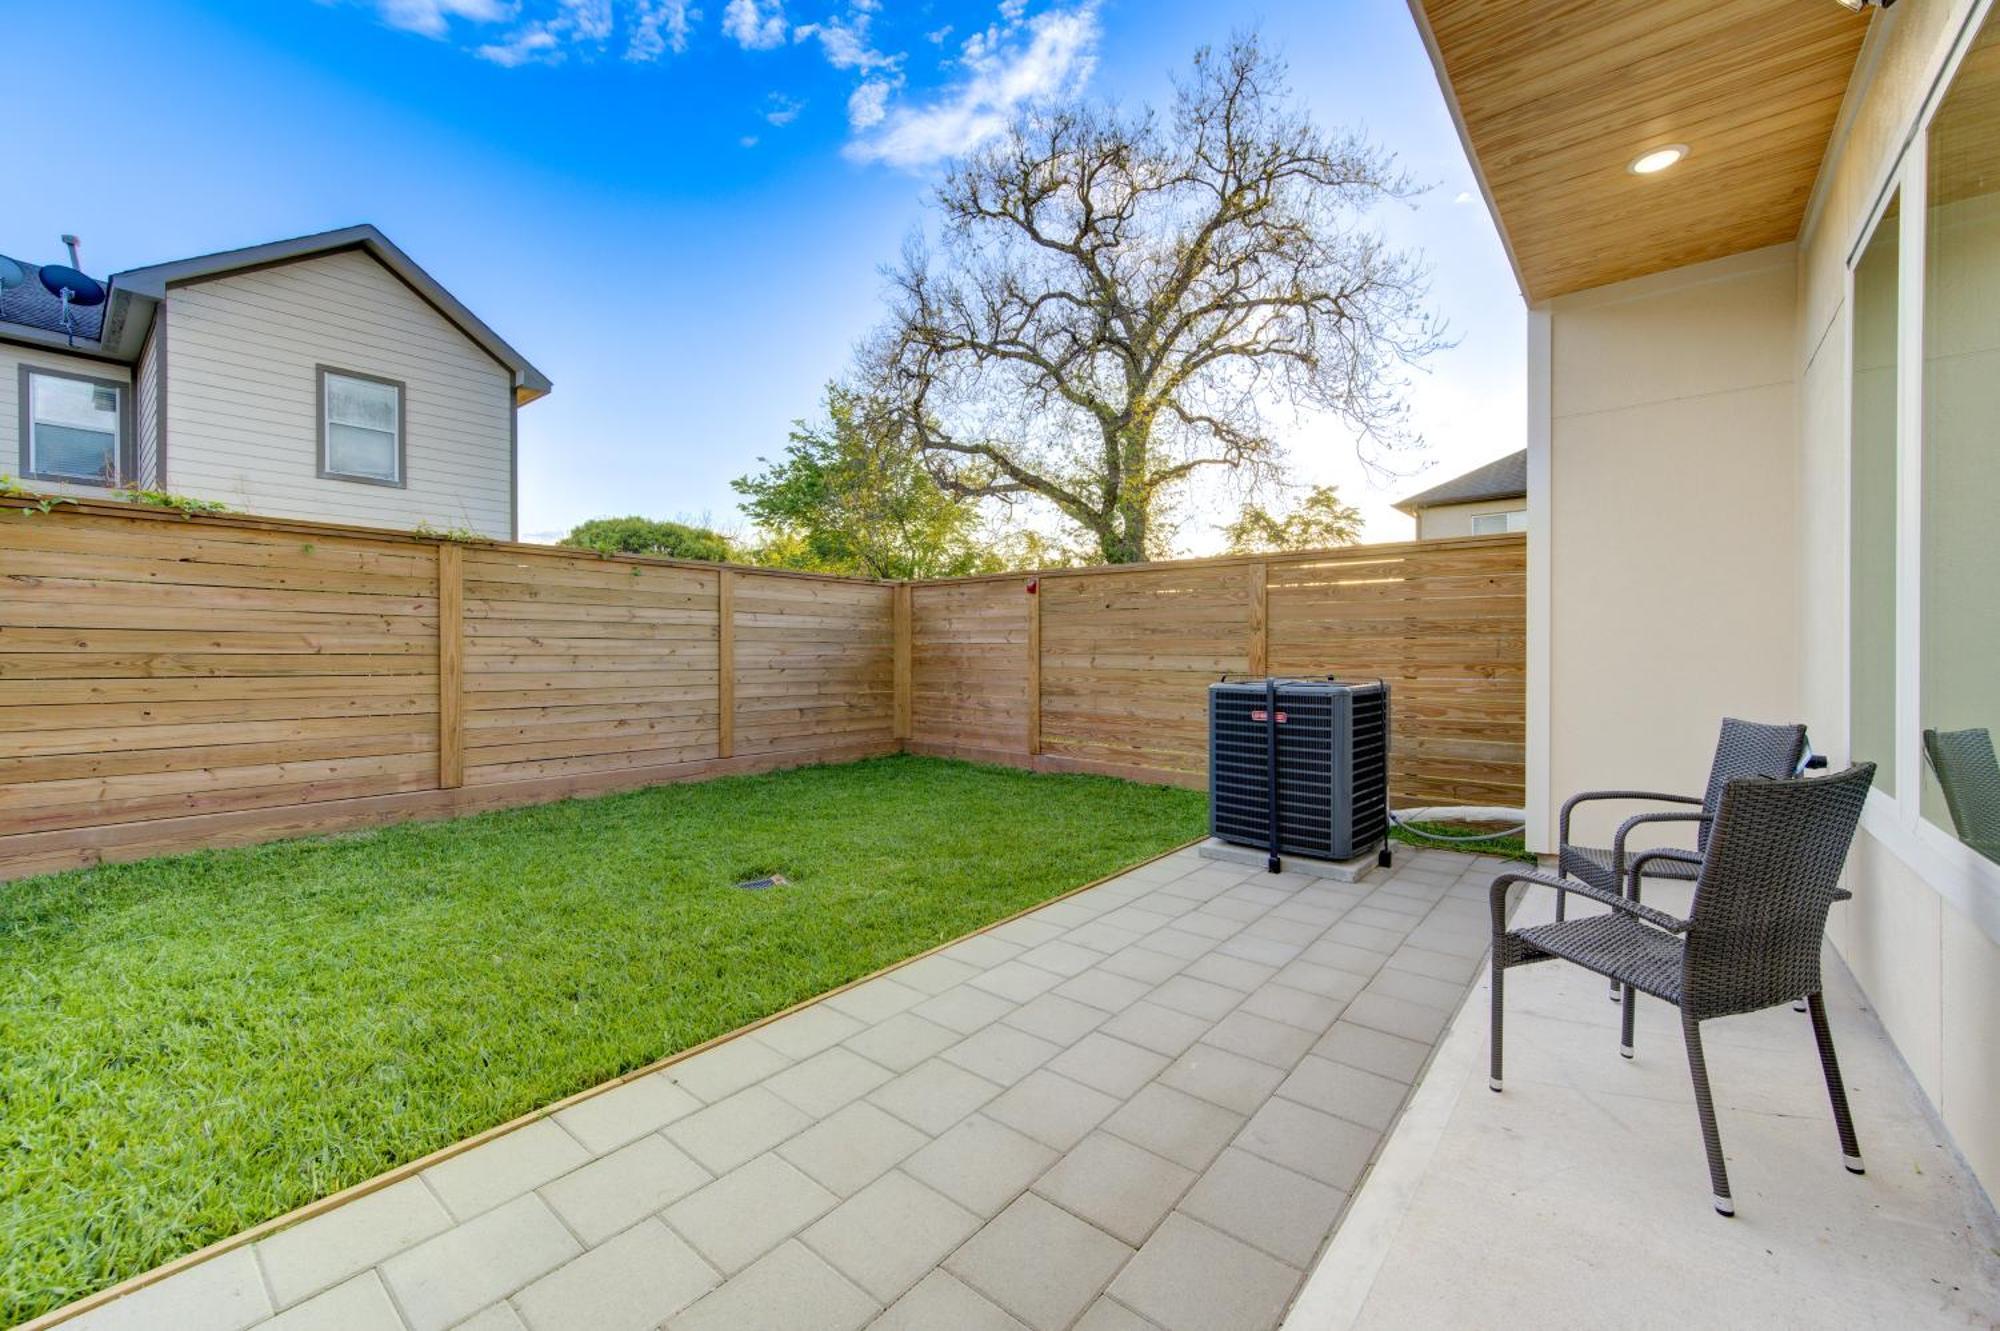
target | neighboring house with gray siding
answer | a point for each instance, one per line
(1483, 502)
(327, 377)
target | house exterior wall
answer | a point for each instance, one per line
(1923, 931)
(146, 414)
(1671, 450)
(242, 378)
(12, 358)
(1441, 520)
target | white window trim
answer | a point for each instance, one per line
(1962, 876)
(121, 441)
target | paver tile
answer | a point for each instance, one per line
(964, 1009)
(807, 1031)
(502, 1169)
(980, 1164)
(631, 1183)
(847, 1151)
(1142, 963)
(358, 1304)
(1320, 1146)
(788, 1289)
(1028, 931)
(746, 1213)
(1223, 1077)
(1294, 1007)
(1260, 1038)
(934, 1095)
(943, 1302)
(902, 1041)
(323, 1251)
(498, 1317)
(1189, 1277)
(1197, 998)
(1412, 1021)
(1410, 987)
(1437, 965)
(718, 1073)
(982, 950)
(1105, 1315)
(885, 1237)
(1188, 1131)
(1054, 1017)
(1062, 957)
(1263, 951)
(1016, 981)
(936, 973)
(826, 1081)
(1360, 961)
(1101, 937)
(1266, 1206)
(1104, 990)
(732, 1131)
(1346, 1092)
(1240, 975)
(1177, 943)
(223, 1294)
(630, 1283)
(607, 1121)
(1366, 935)
(1122, 1189)
(1160, 1029)
(1376, 1051)
(1108, 1064)
(1054, 1110)
(1040, 1263)
(878, 999)
(445, 1280)
(1001, 1054)
(1325, 981)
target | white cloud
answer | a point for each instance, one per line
(781, 110)
(658, 26)
(1006, 67)
(866, 105)
(845, 42)
(755, 26)
(433, 17)
(531, 45)
(936, 36)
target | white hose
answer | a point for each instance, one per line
(1460, 814)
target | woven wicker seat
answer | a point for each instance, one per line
(1743, 748)
(1769, 873)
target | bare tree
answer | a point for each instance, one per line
(1117, 304)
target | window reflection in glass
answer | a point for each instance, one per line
(1959, 646)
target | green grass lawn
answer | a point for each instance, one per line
(194, 1044)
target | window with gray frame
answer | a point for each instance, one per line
(1495, 524)
(72, 427)
(361, 427)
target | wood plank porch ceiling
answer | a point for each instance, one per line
(1556, 97)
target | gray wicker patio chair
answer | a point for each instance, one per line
(1970, 778)
(1751, 941)
(1743, 748)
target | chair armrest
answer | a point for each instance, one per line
(1659, 797)
(1497, 895)
(1640, 820)
(1645, 857)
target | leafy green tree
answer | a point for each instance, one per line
(849, 497)
(1321, 521)
(648, 536)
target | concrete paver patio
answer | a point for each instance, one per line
(1142, 1106)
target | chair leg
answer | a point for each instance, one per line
(1625, 1027)
(1836, 1090)
(1499, 971)
(1711, 1136)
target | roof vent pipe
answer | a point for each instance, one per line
(75, 259)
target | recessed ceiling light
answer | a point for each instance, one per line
(1658, 159)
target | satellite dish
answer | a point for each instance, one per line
(71, 286)
(11, 274)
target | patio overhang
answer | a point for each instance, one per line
(1554, 102)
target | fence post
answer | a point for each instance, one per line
(1260, 624)
(900, 607)
(451, 666)
(1035, 666)
(725, 664)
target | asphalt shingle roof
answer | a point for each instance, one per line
(1502, 478)
(30, 304)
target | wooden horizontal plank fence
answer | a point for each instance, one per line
(169, 683)
(1107, 670)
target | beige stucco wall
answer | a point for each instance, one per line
(241, 375)
(1456, 519)
(12, 357)
(1913, 933)
(1673, 523)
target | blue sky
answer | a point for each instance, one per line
(679, 211)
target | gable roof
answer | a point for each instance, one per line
(151, 283)
(31, 306)
(1502, 478)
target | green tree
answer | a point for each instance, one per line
(849, 497)
(648, 536)
(1321, 521)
